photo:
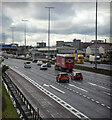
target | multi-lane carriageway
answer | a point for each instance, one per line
(89, 98)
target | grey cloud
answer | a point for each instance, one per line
(6, 21)
(61, 17)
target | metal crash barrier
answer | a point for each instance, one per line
(26, 109)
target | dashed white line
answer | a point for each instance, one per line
(103, 104)
(78, 87)
(57, 89)
(98, 86)
(97, 102)
(92, 99)
(84, 95)
(108, 93)
(108, 107)
(16, 67)
(58, 100)
(88, 97)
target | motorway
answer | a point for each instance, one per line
(88, 64)
(91, 96)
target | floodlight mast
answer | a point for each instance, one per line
(96, 39)
(24, 20)
(49, 8)
(12, 28)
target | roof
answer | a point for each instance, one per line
(64, 55)
(62, 73)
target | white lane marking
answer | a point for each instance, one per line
(108, 107)
(45, 85)
(103, 104)
(54, 88)
(108, 94)
(92, 99)
(78, 87)
(97, 102)
(16, 67)
(54, 97)
(57, 89)
(98, 86)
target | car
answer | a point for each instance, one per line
(39, 62)
(27, 64)
(43, 67)
(53, 59)
(34, 60)
(21, 56)
(62, 77)
(48, 64)
(6, 57)
(76, 76)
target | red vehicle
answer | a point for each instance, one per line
(62, 77)
(64, 62)
(76, 76)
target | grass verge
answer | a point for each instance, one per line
(100, 71)
(8, 110)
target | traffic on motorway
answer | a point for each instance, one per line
(87, 92)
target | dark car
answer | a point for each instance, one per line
(62, 77)
(76, 76)
(34, 60)
(48, 64)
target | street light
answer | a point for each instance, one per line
(24, 20)
(12, 28)
(96, 39)
(49, 8)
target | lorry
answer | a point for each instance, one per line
(64, 62)
(78, 58)
(92, 59)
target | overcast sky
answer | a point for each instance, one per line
(69, 20)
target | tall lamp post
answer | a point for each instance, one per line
(12, 27)
(25, 20)
(96, 39)
(12, 34)
(49, 8)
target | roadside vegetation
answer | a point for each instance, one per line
(8, 110)
(100, 71)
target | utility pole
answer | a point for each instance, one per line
(25, 30)
(24, 20)
(96, 39)
(12, 34)
(49, 8)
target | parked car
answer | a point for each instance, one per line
(39, 62)
(48, 64)
(76, 76)
(43, 67)
(34, 60)
(62, 77)
(27, 64)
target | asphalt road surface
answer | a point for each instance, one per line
(88, 64)
(91, 96)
